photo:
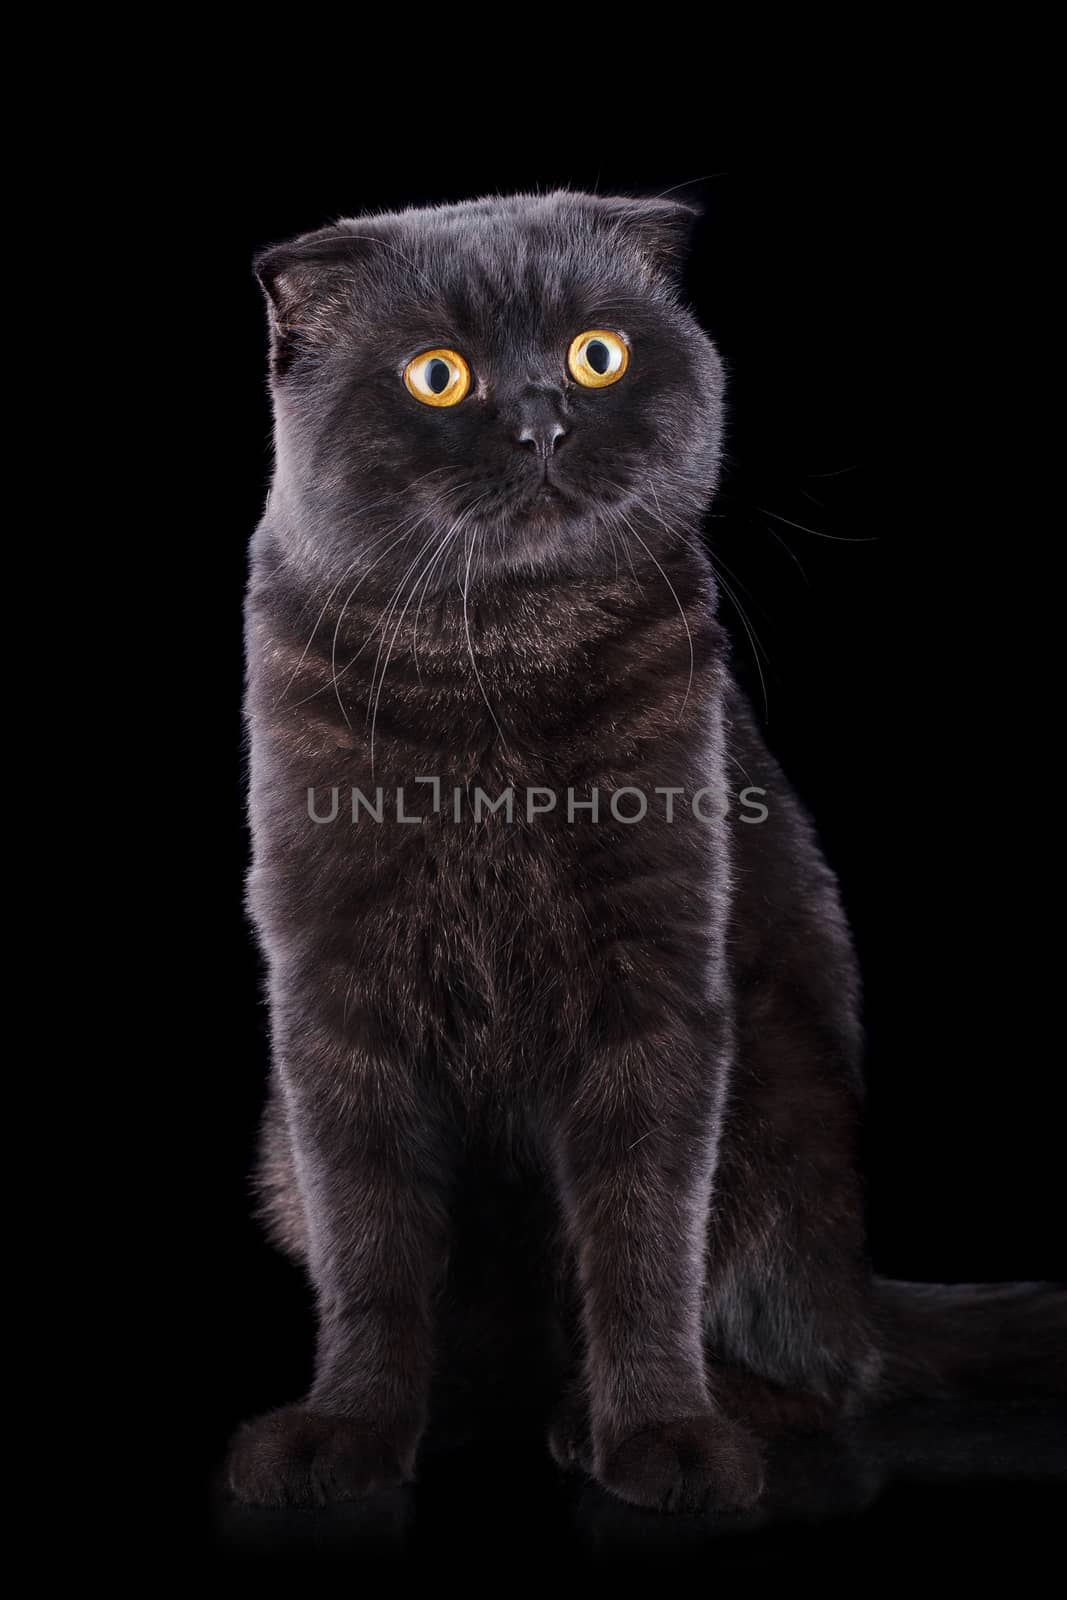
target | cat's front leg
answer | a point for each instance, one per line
(370, 1170)
(635, 1160)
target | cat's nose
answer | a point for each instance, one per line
(540, 427)
(542, 437)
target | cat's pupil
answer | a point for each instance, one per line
(598, 355)
(437, 376)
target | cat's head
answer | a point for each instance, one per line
(512, 378)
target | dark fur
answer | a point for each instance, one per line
(584, 1089)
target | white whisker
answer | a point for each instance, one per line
(443, 544)
(470, 646)
(685, 621)
(341, 617)
(836, 538)
(374, 504)
(749, 627)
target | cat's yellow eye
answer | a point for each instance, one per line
(597, 358)
(438, 377)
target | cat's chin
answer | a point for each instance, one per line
(548, 503)
(535, 532)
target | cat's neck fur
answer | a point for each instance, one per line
(500, 661)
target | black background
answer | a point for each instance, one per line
(887, 515)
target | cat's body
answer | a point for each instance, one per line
(555, 1082)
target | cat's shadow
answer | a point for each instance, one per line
(487, 1495)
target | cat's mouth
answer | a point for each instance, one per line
(546, 503)
(546, 495)
(537, 503)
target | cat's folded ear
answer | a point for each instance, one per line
(660, 229)
(307, 284)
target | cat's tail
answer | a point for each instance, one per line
(990, 1341)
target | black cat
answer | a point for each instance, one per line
(564, 1004)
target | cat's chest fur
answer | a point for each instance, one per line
(494, 903)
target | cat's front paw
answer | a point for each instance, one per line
(691, 1464)
(297, 1457)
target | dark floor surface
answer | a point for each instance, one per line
(921, 1487)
